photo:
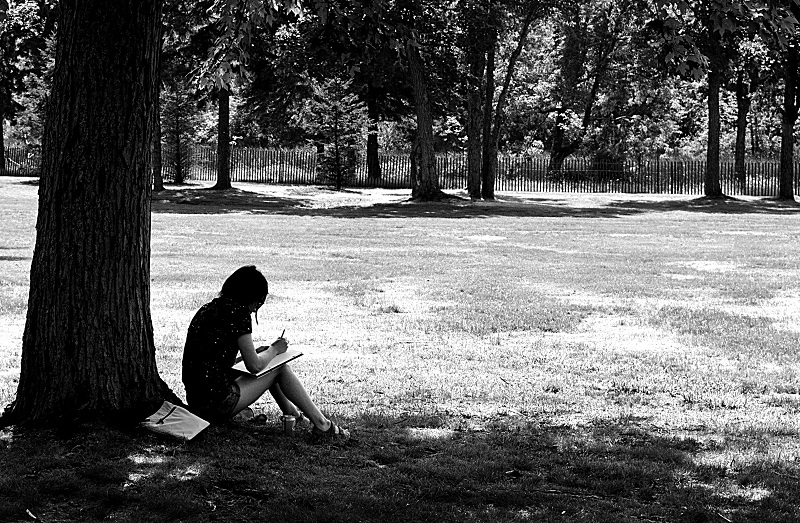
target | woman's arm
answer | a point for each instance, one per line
(255, 361)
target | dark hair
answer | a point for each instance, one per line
(245, 285)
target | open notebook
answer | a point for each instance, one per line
(277, 361)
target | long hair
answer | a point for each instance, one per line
(246, 285)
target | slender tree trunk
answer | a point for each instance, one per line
(788, 121)
(742, 110)
(224, 141)
(499, 111)
(414, 165)
(477, 66)
(373, 160)
(712, 188)
(475, 55)
(487, 167)
(427, 183)
(87, 348)
(557, 157)
(560, 149)
(179, 148)
(755, 138)
(2, 142)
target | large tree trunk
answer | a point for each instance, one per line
(224, 141)
(742, 110)
(88, 348)
(712, 188)
(788, 120)
(427, 183)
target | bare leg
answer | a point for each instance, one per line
(286, 406)
(288, 392)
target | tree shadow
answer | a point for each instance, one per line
(398, 469)
(728, 205)
(204, 201)
(207, 201)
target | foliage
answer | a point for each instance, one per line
(25, 63)
(178, 122)
(336, 118)
(697, 35)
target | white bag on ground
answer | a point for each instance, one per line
(176, 421)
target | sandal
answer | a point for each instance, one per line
(335, 433)
(301, 421)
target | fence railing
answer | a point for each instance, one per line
(514, 173)
(22, 161)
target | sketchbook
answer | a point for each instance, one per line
(175, 421)
(277, 361)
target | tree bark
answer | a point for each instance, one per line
(427, 183)
(224, 141)
(87, 348)
(788, 121)
(712, 188)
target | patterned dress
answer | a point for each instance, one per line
(210, 352)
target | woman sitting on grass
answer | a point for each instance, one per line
(219, 331)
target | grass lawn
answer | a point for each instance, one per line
(546, 357)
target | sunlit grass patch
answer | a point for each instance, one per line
(730, 333)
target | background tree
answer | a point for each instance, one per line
(476, 17)
(494, 116)
(338, 118)
(701, 38)
(746, 79)
(178, 120)
(24, 31)
(789, 42)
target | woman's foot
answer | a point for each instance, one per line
(301, 421)
(332, 433)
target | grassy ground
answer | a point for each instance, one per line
(548, 357)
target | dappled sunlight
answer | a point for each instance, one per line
(426, 434)
(189, 472)
(146, 466)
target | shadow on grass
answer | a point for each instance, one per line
(208, 201)
(512, 470)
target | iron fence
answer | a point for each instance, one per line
(514, 173)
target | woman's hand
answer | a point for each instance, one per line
(280, 345)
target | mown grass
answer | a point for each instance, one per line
(543, 358)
